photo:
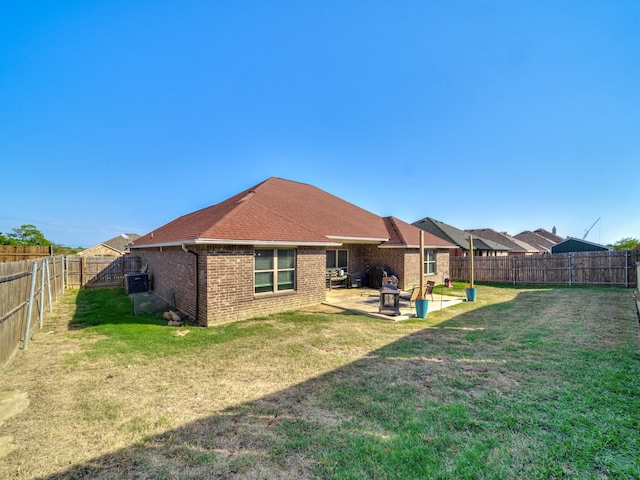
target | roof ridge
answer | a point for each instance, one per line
(391, 220)
(248, 199)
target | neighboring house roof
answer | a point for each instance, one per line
(573, 244)
(279, 211)
(548, 235)
(513, 244)
(525, 246)
(457, 236)
(536, 240)
(403, 234)
(122, 241)
(118, 244)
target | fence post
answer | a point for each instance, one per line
(82, 266)
(27, 329)
(62, 274)
(626, 268)
(42, 297)
(515, 268)
(55, 280)
(46, 262)
(570, 263)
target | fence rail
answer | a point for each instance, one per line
(616, 268)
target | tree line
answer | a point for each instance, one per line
(29, 235)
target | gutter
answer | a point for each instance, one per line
(197, 280)
(214, 241)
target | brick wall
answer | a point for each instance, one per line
(226, 282)
(230, 286)
(413, 268)
(362, 257)
(172, 275)
(405, 263)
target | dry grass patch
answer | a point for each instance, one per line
(493, 389)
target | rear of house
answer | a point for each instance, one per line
(270, 248)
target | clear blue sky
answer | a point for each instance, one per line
(120, 116)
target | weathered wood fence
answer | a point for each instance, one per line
(616, 268)
(15, 253)
(26, 289)
(99, 272)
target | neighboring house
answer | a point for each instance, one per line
(515, 246)
(551, 236)
(481, 246)
(542, 243)
(572, 244)
(269, 248)
(116, 247)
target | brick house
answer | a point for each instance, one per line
(268, 249)
(115, 247)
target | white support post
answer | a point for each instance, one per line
(55, 280)
(27, 329)
(46, 262)
(42, 299)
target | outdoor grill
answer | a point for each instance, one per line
(389, 300)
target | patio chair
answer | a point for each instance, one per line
(414, 295)
(429, 289)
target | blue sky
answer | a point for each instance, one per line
(120, 116)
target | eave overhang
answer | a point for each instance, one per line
(429, 247)
(226, 241)
(362, 240)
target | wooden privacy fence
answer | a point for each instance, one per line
(616, 268)
(26, 288)
(99, 272)
(15, 253)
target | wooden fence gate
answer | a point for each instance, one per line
(100, 272)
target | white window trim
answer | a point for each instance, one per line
(275, 270)
(335, 252)
(428, 262)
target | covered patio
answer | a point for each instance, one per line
(366, 301)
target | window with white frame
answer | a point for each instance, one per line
(429, 262)
(337, 259)
(274, 270)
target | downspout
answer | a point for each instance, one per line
(197, 280)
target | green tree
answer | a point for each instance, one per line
(27, 235)
(627, 243)
(64, 250)
(6, 240)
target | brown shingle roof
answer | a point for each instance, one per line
(279, 210)
(404, 234)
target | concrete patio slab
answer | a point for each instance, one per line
(366, 301)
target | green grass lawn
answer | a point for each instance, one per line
(523, 383)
